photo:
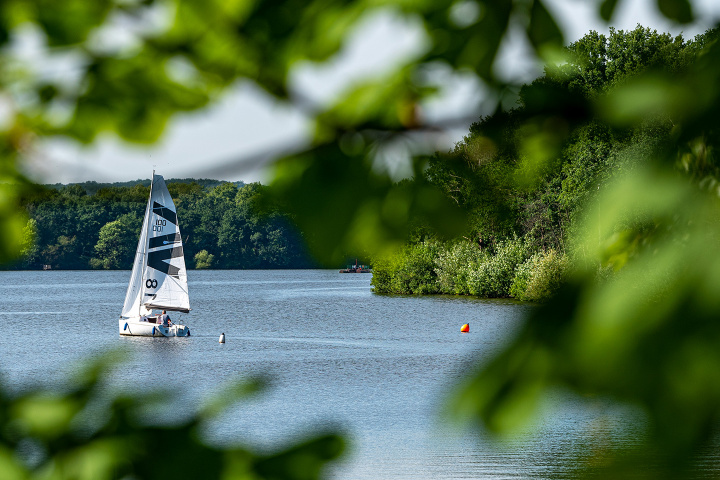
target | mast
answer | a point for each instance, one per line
(146, 225)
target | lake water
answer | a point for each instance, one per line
(378, 367)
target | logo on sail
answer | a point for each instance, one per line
(158, 259)
(164, 212)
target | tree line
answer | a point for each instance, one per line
(91, 187)
(525, 176)
(230, 225)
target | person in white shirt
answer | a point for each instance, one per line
(164, 319)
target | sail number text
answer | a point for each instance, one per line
(159, 225)
(151, 283)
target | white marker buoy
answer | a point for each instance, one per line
(222, 338)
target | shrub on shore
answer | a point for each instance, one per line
(410, 271)
(458, 268)
(539, 276)
(453, 266)
(203, 259)
(494, 275)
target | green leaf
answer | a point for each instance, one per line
(677, 10)
(477, 46)
(45, 416)
(230, 394)
(649, 96)
(10, 467)
(607, 9)
(302, 462)
(132, 96)
(70, 21)
(335, 196)
(389, 103)
(13, 219)
(543, 31)
(95, 460)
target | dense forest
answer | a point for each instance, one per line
(526, 180)
(91, 187)
(222, 224)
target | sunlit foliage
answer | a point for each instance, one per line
(203, 259)
(539, 277)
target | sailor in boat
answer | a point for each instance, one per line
(164, 319)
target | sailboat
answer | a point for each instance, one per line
(159, 278)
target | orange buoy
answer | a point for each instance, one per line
(465, 328)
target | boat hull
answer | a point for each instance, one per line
(136, 328)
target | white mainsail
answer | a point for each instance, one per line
(132, 306)
(159, 277)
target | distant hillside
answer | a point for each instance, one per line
(92, 187)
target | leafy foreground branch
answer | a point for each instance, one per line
(84, 433)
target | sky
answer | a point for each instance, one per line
(234, 138)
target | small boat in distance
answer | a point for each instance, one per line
(356, 268)
(159, 279)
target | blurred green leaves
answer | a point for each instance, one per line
(678, 10)
(320, 188)
(607, 8)
(44, 416)
(85, 432)
(69, 22)
(543, 31)
(388, 104)
(13, 220)
(218, 404)
(637, 320)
